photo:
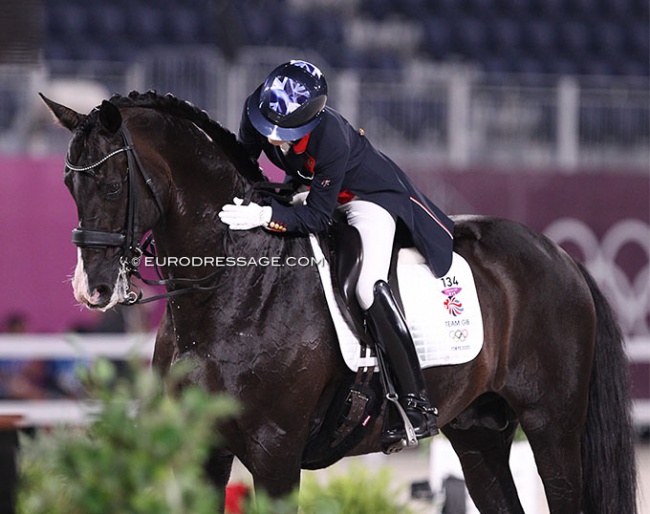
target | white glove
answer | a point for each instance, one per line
(245, 217)
(299, 198)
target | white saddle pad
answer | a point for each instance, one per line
(443, 314)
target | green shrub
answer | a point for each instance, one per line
(143, 454)
(359, 491)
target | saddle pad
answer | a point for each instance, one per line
(443, 314)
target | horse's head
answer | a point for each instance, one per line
(116, 203)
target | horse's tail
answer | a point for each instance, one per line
(608, 465)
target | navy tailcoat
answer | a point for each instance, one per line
(336, 158)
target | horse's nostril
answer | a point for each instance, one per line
(101, 291)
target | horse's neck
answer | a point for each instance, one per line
(191, 224)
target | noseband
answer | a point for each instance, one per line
(132, 250)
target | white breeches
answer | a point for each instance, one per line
(376, 227)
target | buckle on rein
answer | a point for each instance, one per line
(129, 267)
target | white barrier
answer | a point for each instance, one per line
(65, 347)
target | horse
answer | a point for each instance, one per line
(552, 362)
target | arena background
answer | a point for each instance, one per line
(535, 110)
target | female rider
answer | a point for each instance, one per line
(287, 118)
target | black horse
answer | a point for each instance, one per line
(552, 361)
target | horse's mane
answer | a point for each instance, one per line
(223, 137)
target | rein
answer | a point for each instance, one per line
(132, 251)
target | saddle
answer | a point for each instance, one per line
(345, 258)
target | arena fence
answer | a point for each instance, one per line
(60, 354)
(445, 114)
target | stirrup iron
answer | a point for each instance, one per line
(411, 440)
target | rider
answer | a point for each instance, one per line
(287, 118)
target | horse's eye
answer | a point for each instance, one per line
(113, 188)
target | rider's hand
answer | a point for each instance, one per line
(300, 198)
(245, 217)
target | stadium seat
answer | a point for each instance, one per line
(108, 21)
(573, 40)
(259, 25)
(505, 37)
(470, 39)
(183, 26)
(414, 9)
(377, 9)
(539, 38)
(436, 42)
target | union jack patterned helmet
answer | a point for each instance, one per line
(290, 103)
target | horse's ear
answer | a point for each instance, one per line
(110, 117)
(67, 117)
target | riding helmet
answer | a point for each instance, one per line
(290, 102)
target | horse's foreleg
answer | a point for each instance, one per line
(274, 465)
(279, 479)
(218, 468)
(484, 455)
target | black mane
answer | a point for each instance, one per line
(223, 137)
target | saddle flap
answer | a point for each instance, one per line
(346, 258)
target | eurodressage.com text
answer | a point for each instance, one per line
(231, 262)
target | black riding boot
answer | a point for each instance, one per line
(390, 333)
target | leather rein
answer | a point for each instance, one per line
(132, 250)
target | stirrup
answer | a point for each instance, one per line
(406, 435)
(410, 440)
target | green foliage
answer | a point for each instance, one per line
(143, 453)
(357, 492)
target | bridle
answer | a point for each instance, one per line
(132, 250)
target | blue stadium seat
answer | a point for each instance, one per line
(497, 64)
(607, 40)
(68, 19)
(377, 9)
(470, 39)
(108, 21)
(613, 10)
(437, 38)
(516, 9)
(413, 9)
(579, 9)
(555, 36)
(259, 25)
(573, 40)
(637, 40)
(183, 26)
(546, 9)
(505, 37)
(447, 9)
(593, 65)
(629, 68)
(479, 8)
(559, 64)
(528, 65)
(146, 25)
(296, 29)
(539, 38)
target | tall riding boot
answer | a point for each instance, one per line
(390, 333)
